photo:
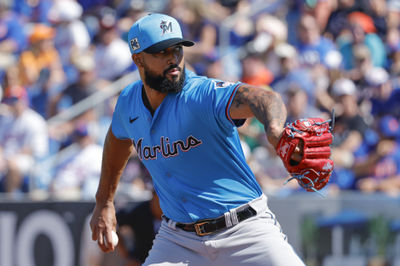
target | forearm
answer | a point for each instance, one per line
(115, 156)
(266, 105)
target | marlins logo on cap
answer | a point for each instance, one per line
(154, 33)
(166, 27)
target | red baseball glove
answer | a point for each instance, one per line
(313, 136)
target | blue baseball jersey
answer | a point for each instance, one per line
(190, 146)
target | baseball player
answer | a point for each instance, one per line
(184, 129)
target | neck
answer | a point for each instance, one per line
(154, 98)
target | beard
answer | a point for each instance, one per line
(161, 83)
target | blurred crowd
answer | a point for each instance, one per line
(321, 55)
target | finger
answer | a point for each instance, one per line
(297, 154)
(94, 232)
(108, 240)
(297, 150)
(100, 238)
(101, 242)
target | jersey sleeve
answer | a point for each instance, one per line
(219, 96)
(119, 125)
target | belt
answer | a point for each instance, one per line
(208, 226)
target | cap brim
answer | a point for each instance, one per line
(158, 47)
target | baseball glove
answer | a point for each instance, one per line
(313, 136)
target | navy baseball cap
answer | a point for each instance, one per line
(154, 33)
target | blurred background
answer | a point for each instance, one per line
(64, 62)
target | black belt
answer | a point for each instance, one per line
(209, 226)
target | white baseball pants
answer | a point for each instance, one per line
(257, 241)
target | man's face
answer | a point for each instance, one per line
(308, 30)
(165, 71)
(162, 83)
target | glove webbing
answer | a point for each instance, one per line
(295, 130)
(309, 185)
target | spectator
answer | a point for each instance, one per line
(41, 55)
(11, 78)
(270, 33)
(291, 74)
(254, 71)
(362, 32)
(362, 65)
(337, 21)
(315, 54)
(393, 15)
(378, 12)
(350, 128)
(313, 48)
(72, 36)
(321, 10)
(79, 90)
(112, 55)
(77, 174)
(23, 141)
(298, 105)
(350, 125)
(385, 99)
(379, 170)
(12, 38)
(32, 11)
(393, 45)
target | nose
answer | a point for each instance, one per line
(172, 58)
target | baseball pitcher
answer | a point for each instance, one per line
(184, 129)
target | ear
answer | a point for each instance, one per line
(137, 59)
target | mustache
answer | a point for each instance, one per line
(171, 67)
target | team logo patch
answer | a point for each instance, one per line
(135, 44)
(166, 27)
(221, 84)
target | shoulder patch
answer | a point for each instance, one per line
(222, 84)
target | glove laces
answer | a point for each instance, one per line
(309, 185)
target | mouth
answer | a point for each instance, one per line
(173, 71)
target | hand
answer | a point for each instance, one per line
(298, 152)
(103, 221)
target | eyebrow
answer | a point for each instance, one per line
(173, 46)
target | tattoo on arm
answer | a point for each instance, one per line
(266, 105)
